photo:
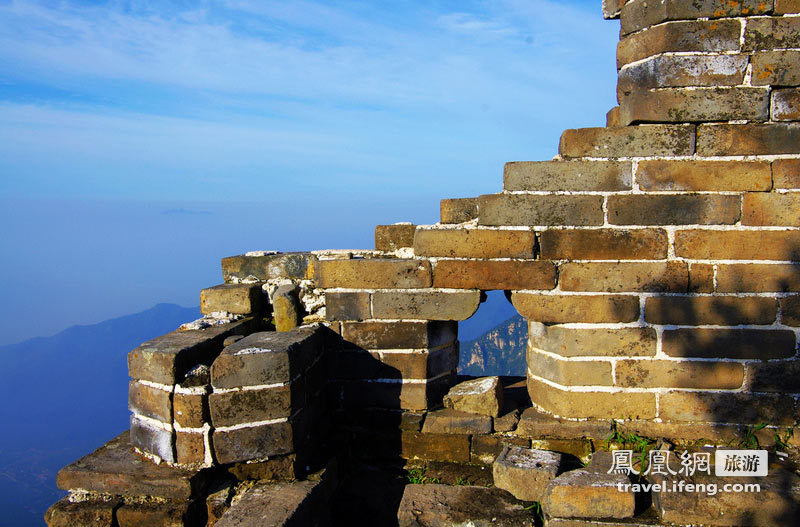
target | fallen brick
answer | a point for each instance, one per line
(525, 472)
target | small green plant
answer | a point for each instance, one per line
(536, 507)
(462, 481)
(750, 440)
(782, 440)
(417, 476)
(641, 445)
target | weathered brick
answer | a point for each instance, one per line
(786, 7)
(612, 117)
(772, 33)
(729, 343)
(748, 139)
(757, 278)
(739, 245)
(458, 210)
(772, 68)
(190, 448)
(287, 310)
(239, 299)
(536, 424)
(680, 105)
(278, 504)
(679, 374)
(774, 376)
(611, 8)
(573, 342)
(399, 335)
(169, 514)
(486, 448)
(567, 175)
(701, 278)
(363, 364)
(269, 266)
(693, 35)
(150, 402)
(592, 405)
(525, 473)
(152, 438)
(527, 209)
(435, 447)
(278, 468)
(449, 421)
(257, 442)
(674, 71)
(624, 277)
(711, 310)
(474, 243)
(347, 306)
(644, 140)
(373, 273)
(95, 513)
(247, 406)
(786, 105)
(673, 209)
(189, 409)
(603, 244)
(639, 14)
(569, 373)
(389, 238)
(786, 173)
(775, 209)
(425, 305)
(727, 407)
(660, 174)
(483, 396)
(418, 396)
(790, 311)
(563, 309)
(494, 274)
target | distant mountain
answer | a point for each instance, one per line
(499, 351)
(63, 396)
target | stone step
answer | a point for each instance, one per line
(303, 503)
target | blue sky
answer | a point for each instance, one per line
(325, 117)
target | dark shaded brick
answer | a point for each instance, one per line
(673, 209)
(729, 343)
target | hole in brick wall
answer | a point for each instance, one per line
(493, 340)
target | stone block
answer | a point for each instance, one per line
(267, 358)
(786, 173)
(535, 209)
(239, 299)
(579, 448)
(486, 448)
(116, 469)
(679, 374)
(588, 493)
(569, 373)
(603, 244)
(506, 422)
(389, 238)
(567, 176)
(234, 445)
(772, 33)
(190, 448)
(595, 342)
(790, 311)
(494, 274)
(450, 421)
(775, 209)
(757, 278)
(482, 396)
(149, 401)
(167, 359)
(663, 71)
(525, 472)
(347, 306)
(217, 504)
(297, 266)
(425, 305)
(232, 408)
(701, 278)
(435, 447)
(710, 310)
(287, 312)
(589, 309)
(628, 141)
(363, 364)
(153, 438)
(785, 105)
(680, 36)
(458, 210)
(672, 175)
(591, 405)
(671, 277)
(612, 118)
(95, 513)
(536, 424)
(474, 243)
(680, 105)
(445, 505)
(169, 514)
(729, 343)
(416, 396)
(278, 505)
(774, 376)
(673, 209)
(727, 407)
(748, 139)
(371, 273)
(640, 14)
(277, 468)
(787, 7)
(399, 335)
(611, 8)
(189, 409)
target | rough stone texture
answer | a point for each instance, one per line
(482, 396)
(670, 277)
(736, 278)
(591, 405)
(772, 33)
(435, 447)
(389, 238)
(562, 309)
(373, 273)
(446, 506)
(790, 311)
(507, 422)
(701, 278)
(675, 209)
(748, 139)
(170, 514)
(603, 342)
(785, 7)
(276, 468)
(246, 406)
(588, 493)
(611, 8)
(189, 409)
(681, 70)
(257, 442)
(278, 505)
(190, 448)
(639, 14)
(729, 343)
(486, 448)
(569, 373)
(748, 245)
(375, 364)
(269, 266)
(671, 175)
(286, 309)
(153, 438)
(645, 140)
(774, 376)
(239, 299)
(519, 209)
(474, 243)
(64, 513)
(716, 311)
(458, 210)
(786, 105)
(567, 175)
(727, 407)
(504, 274)
(673, 374)
(536, 424)
(604, 244)
(399, 335)
(449, 421)
(779, 210)
(149, 401)
(786, 173)
(114, 468)
(217, 504)
(612, 117)
(425, 305)
(347, 306)
(525, 473)
(678, 105)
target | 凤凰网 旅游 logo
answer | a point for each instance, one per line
(741, 463)
(725, 463)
